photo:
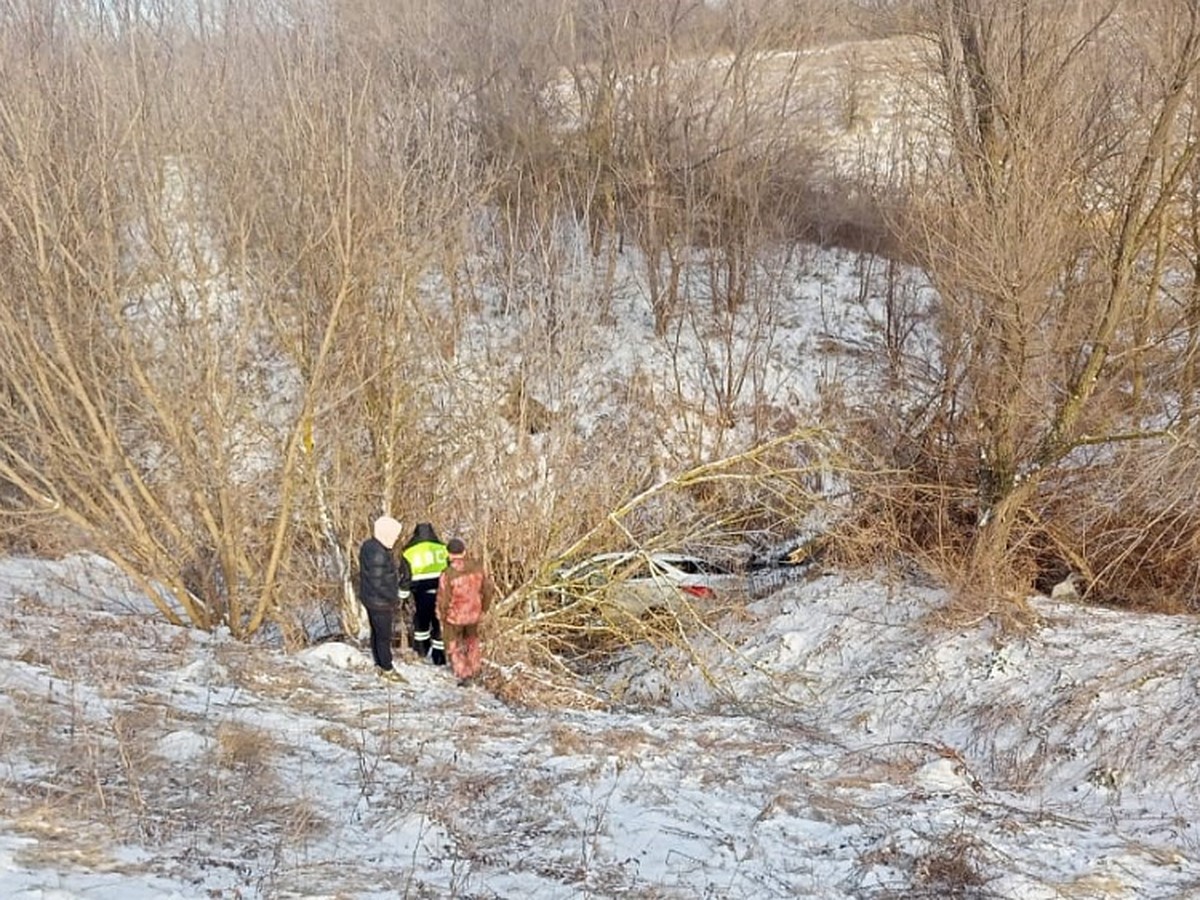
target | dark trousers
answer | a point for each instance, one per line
(380, 621)
(427, 630)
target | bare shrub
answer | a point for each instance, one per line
(549, 622)
(1043, 234)
(206, 233)
(951, 869)
(225, 255)
(1139, 549)
(242, 746)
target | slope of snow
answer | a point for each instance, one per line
(847, 742)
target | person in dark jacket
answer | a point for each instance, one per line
(383, 583)
(426, 556)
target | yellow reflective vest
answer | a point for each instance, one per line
(427, 559)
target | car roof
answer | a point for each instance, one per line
(623, 555)
(616, 558)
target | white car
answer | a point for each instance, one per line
(639, 582)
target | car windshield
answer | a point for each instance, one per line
(602, 568)
(693, 566)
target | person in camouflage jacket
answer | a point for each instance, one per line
(463, 583)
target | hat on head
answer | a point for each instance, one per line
(455, 547)
(387, 531)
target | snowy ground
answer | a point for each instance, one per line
(853, 745)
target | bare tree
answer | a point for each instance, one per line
(1041, 233)
(216, 241)
(82, 433)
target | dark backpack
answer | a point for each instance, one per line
(466, 599)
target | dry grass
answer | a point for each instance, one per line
(1131, 544)
(340, 736)
(245, 747)
(533, 687)
(898, 770)
(1092, 887)
(100, 779)
(828, 808)
(952, 868)
(949, 870)
(274, 676)
(63, 841)
(977, 598)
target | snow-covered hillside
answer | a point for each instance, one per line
(831, 739)
(846, 743)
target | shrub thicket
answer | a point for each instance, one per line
(241, 255)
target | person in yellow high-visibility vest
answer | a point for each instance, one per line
(427, 558)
